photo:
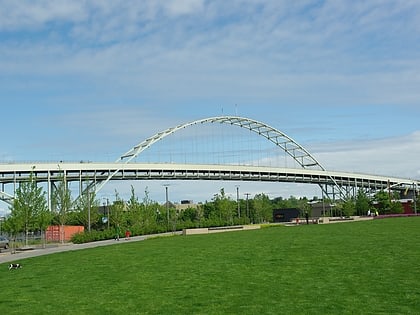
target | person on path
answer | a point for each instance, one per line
(117, 233)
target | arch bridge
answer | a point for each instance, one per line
(335, 185)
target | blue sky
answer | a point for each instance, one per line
(87, 80)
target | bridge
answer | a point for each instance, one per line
(335, 185)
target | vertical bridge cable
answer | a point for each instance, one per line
(301, 156)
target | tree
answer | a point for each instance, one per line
(61, 202)
(396, 207)
(13, 226)
(133, 208)
(226, 207)
(147, 210)
(86, 209)
(348, 208)
(117, 212)
(263, 208)
(29, 202)
(363, 203)
(44, 218)
(189, 214)
(211, 214)
(386, 204)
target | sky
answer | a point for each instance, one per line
(87, 80)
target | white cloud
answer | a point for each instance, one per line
(181, 7)
(19, 15)
(159, 54)
(243, 50)
(396, 156)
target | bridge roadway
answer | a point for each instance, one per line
(13, 173)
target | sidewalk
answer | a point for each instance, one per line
(9, 257)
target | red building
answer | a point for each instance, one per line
(407, 205)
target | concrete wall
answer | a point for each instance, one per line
(220, 229)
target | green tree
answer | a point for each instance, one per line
(293, 202)
(189, 214)
(396, 207)
(85, 207)
(279, 203)
(29, 202)
(12, 225)
(363, 202)
(225, 207)
(147, 211)
(117, 216)
(383, 202)
(43, 220)
(348, 208)
(209, 210)
(134, 212)
(61, 203)
(263, 208)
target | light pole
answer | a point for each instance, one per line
(237, 201)
(88, 204)
(167, 205)
(107, 210)
(247, 204)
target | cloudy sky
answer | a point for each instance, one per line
(87, 80)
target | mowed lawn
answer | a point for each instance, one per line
(349, 268)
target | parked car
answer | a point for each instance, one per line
(4, 242)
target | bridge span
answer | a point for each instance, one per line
(335, 185)
(99, 173)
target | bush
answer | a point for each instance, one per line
(93, 235)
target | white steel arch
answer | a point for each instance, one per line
(280, 139)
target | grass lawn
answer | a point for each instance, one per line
(349, 268)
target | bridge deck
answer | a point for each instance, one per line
(13, 173)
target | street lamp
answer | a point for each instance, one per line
(1, 222)
(106, 207)
(247, 204)
(237, 201)
(167, 204)
(107, 210)
(414, 197)
(88, 204)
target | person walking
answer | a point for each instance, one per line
(117, 233)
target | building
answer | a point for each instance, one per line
(285, 215)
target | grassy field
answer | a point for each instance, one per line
(350, 268)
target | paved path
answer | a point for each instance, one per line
(8, 256)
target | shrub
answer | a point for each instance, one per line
(93, 235)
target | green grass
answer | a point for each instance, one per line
(350, 268)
